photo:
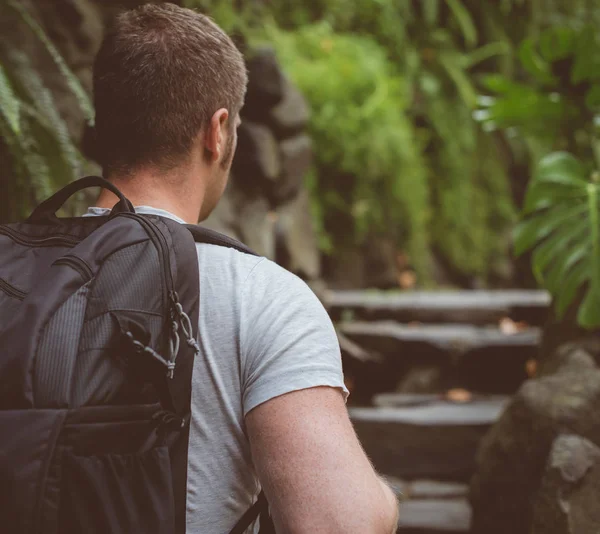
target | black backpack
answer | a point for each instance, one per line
(98, 330)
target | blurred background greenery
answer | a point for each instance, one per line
(431, 116)
(429, 120)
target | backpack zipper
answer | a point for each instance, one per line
(23, 239)
(78, 264)
(178, 318)
(11, 291)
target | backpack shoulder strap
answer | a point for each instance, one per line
(210, 237)
(261, 506)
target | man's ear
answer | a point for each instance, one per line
(215, 138)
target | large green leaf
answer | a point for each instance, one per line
(574, 280)
(542, 195)
(563, 227)
(555, 245)
(587, 56)
(561, 167)
(530, 232)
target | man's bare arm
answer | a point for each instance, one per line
(312, 467)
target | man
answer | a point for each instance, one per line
(268, 394)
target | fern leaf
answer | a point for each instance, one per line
(464, 20)
(72, 80)
(9, 104)
(60, 152)
(28, 164)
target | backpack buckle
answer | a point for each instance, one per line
(170, 421)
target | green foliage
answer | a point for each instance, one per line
(43, 154)
(552, 110)
(556, 112)
(361, 129)
(440, 54)
(433, 49)
(562, 225)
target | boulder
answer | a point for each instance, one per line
(266, 84)
(567, 502)
(512, 459)
(296, 238)
(290, 116)
(246, 218)
(257, 163)
(256, 226)
(296, 159)
(583, 354)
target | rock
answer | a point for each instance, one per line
(290, 116)
(567, 502)
(296, 159)
(257, 162)
(257, 226)
(436, 441)
(470, 307)
(513, 456)
(296, 239)
(583, 354)
(246, 218)
(266, 84)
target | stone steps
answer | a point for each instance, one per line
(437, 440)
(389, 337)
(434, 517)
(478, 358)
(432, 507)
(416, 346)
(466, 307)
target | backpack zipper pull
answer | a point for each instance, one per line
(180, 319)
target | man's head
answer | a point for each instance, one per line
(168, 88)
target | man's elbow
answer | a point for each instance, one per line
(386, 520)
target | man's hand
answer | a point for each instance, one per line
(313, 470)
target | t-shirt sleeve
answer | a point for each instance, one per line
(287, 340)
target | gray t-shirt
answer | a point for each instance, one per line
(262, 333)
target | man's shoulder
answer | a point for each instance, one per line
(257, 274)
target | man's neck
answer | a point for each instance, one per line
(144, 189)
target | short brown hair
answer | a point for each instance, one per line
(161, 73)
